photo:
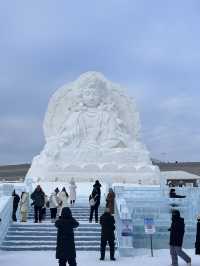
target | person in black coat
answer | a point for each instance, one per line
(38, 198)
(97, 187)
(177, 231)
(107, 223)
(65, 249)
(94, 201)
(172, 194)
(96, 195)
(197, 243)
(16, 200)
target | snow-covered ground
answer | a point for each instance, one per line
(161, 258)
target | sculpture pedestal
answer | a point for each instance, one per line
(149, 175)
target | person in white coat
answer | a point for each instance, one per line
(53, 205)
(72, 191)
(63, 198)
(23, 206)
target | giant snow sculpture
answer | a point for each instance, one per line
(92, 130)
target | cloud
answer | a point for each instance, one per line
(21, 138)
(151, 47)
(173, 134)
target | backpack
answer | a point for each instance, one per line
(92, 202)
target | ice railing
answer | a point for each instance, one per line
(6, 205)
(191, 203)
(5, 215)
(154, 202)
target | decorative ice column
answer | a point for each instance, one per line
(124, 228)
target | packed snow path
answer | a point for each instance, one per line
(142, 257)
(42, 236)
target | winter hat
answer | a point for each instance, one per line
(97, 184)
(66, 213)
(198, 217)
(57, 190)
(176, 213)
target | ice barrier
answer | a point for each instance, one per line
(5, 215)
(151, 202)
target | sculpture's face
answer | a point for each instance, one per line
(91, 96)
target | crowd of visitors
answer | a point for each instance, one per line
(59, 203)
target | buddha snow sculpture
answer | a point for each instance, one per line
(93, 124)
(91, 121)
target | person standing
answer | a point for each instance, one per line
(57, 191)
(97, 186)
(65, 248)
(94, 202)
(53, 205)
(197, 243)
(44, 208)
(173, 195)
(177, 230)
(107, 223)
(72, 191)
(63, 198)
(38, 198)
(110, 201)
(16, 200)
(23, 206)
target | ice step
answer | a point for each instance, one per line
(49, 225)
(50, 238)
(47, 233)
(42, 236)
(46, 247)
(53, 230)
(49, 243)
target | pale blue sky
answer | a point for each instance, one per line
(150, 47)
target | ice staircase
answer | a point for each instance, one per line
(42, 236)
(160, 210)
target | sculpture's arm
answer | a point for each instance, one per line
(119, 136)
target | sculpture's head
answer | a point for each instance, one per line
(90, 95)
(92, 89)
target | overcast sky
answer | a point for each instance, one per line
(150, 47)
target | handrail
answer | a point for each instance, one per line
(5, 215)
